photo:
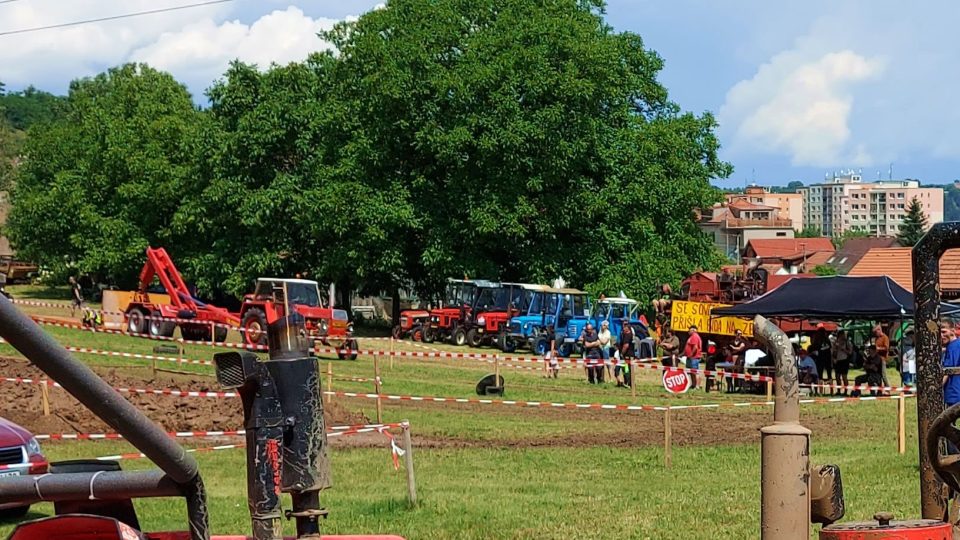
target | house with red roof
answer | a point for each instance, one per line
(733, 225)
(788, 255)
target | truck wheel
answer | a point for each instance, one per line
(459, 336)
(429, 334)
(254, 326)
(220, 333)
(397, 332)
(474, 338)
(159, 327)
(137, 321)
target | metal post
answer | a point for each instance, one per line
(926, 296)
(408, 462)
(784, 447)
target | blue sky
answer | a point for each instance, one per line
(800, 88)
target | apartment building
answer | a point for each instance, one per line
(845, 202)
(789, 206)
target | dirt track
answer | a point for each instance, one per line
(21, 403)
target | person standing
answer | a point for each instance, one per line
(671, 347)
(626, 348)
(592, 355)
(552, 364)
(693, 350)
(76, 296)
(882, 342)
(951, 359)
(908, 371)
(820, 350)
(605, 342)
(842, 353)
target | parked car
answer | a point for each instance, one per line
(19, 455)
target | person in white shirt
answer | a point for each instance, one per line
(604, 338)
(908, 372)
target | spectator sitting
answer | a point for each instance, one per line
(873, 368)
(808, 368)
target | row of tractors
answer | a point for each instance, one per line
(510, 316)
(271, 300)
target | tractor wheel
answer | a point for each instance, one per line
(192, 332)
(352, 348)
(459, 336)
(254, 326)
(429, 334)
(541, 346)
(160, 327)
(137, 321)
(417, 333)
(507, 344)
(397, 332)
(474, 338)
(565, 350)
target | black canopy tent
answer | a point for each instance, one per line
(834, 298)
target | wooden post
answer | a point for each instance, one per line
(901, 424)
(376, 385)
(769, 390)
(633, 378)
(391, 353)
(496, 370)
(329, 381)
(45, 398)
(667, 436)
(153, 366)
(408, 462)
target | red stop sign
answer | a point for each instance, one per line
(676, 381)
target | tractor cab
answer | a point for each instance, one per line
(448, 321)
(614, 310)
(273, 298)
(548, 307)
(495, 307)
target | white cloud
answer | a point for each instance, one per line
(201, 51)
(195, 45)
(800, 104)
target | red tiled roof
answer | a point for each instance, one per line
(742, 204)
(817, 259)
(897, 264)
(853, 249)
(784, 247)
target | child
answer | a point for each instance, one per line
(552, 363)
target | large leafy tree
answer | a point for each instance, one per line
(533, 140)
(914, 225)
(102, 181)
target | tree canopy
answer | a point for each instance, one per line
(915, 224)
(502, 139)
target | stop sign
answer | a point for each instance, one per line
(676, 381)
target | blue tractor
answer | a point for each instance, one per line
(613, 310)
(549, 307)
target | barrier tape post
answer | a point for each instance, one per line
(391, 353)
(45, 399)
(667, 435)
(901, 425)
(408, 463)
(330, 382)
(496, 370)
(633, 378)
(769, 390)
(376, 385)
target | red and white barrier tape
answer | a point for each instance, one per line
(861, 387)
(332, 431)
(123, 390)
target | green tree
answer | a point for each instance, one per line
(532, 140)
(28, 107)
(824, 270)
(914, 225)
(809, 231)
(102, 181)
(840, 240)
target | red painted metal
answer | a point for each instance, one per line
(922, 529)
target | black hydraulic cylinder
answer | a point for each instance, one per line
(95, 394)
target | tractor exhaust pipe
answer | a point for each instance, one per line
(95, 394)
(784, 447)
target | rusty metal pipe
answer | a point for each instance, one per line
(784, 447)
(926, 297)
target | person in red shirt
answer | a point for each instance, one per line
(693, 350)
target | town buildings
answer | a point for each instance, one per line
(844, 202)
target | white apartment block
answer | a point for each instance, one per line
(844, 202)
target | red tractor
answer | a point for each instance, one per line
(450, 321)
(411, 324)
(143, 316)
(268, 302)
(494, 308)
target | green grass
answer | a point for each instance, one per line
(488, 489)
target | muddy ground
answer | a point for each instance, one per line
(22, 404)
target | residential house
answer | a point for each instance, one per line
(788, 255)
(735, 224)
(897, 263)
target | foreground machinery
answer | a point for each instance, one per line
(793, 494)
(286, 445)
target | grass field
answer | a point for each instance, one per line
(495, 471)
